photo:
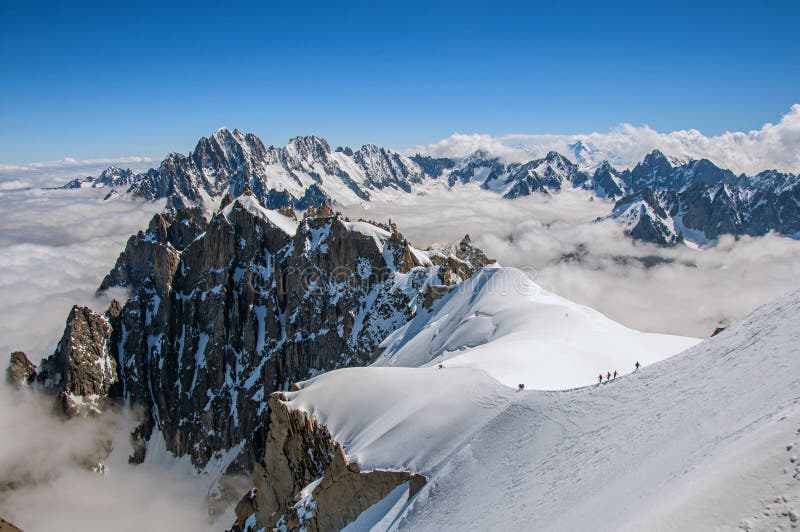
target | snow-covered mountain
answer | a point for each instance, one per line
(411, 414)
(661, 199)
(701, 213)
(304, 173)
(703, 440)
(548, 174)
(113, 176)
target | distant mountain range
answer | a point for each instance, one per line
(660, 200)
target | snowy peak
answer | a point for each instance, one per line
(654, 172)
(584, 152)
(644, 218)
(549, 174)
(477, 167)
(305, 173)
(113, 176)
(691, 417)
(309, 148)
(608, 182)
(224, 312)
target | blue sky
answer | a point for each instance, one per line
(108, 80)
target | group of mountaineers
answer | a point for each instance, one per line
(610, 376)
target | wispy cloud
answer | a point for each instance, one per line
(72, 162)
(771, 146)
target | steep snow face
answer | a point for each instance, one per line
(251, 204)
(659, 449)
(501, 322)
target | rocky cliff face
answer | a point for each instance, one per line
(702, 213)
(224, 312)
(20, 370)
(304, 480)
(82, 370)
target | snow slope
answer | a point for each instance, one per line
(699, 441)
(503, 323)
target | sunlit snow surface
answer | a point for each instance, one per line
(503, 323)
(699, 441)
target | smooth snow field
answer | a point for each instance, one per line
(503, 323)
(703, 440)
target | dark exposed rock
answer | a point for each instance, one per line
(545, 175)
(153, 254)
(433, 166)
(301, 453)
(608, 182)
(293, 176)
(20, 370)
(459, 263)
(479, 166)
(81, 371)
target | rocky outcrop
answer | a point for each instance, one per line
(224, 312)
(5, 526)
(607, 182)
(305, 480)
(153, 254)
(82, 370)
(20, 370)
(459, 262)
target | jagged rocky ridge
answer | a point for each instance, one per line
(224, 312)
(306, 173)
(699, 202)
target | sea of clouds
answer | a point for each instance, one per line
(55, 247)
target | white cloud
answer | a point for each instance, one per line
(72, 162)
(52, 492)
(677, 290)
(55, 247)
(771, 146)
